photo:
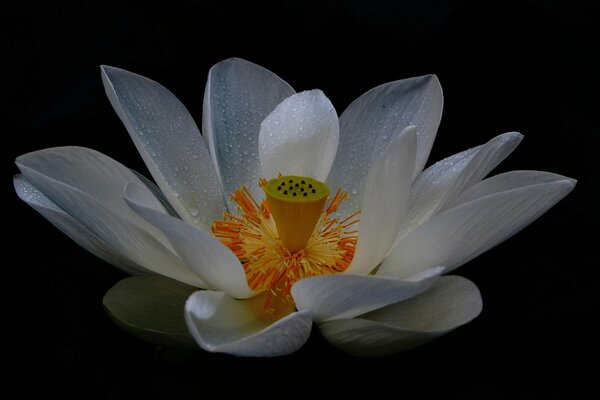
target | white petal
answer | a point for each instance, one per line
(483, 162)
(94, 173)
(160, 196)
(120, 232)
(238, 97)
(71, 227)
(503, 182)
(300, 137)
(451, 302)
(222, 324)
(384, 202)
(331, 297)
(375, 119)
(214, 263)
(170, 144)
(441, 183)
(89, 186)
(459, 234)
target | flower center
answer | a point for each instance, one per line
(289, 236)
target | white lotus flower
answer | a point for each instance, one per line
(369, 279)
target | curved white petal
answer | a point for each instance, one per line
(375, 119)
(441, 183)
(84, 184)
(160, 196)
(339, 296)
(214, 263)
(71, 227)
(451, 302)
(384, 202)
(503, 182)
(459, 234)
(238, 97)
(170, 144)
(488, 157)
(92, 172)
(222, 324)
(300, 137)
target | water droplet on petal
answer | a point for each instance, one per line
(193, 212)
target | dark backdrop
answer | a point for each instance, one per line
(529, 66)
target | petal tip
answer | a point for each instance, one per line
(570, 183)
(18, 185)
(427, 274)
(433, 78)
(236, 60)
(131, 191)
(412, 129)
(515, 135)
(107, 69)
(564, 182)
(232, 61)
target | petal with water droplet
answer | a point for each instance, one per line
(170, 144)
(238, 97)
(300, 137)
(375, 119)
(384, 202)
(442, 182)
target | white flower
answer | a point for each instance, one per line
(261, 299)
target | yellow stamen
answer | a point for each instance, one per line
(273, 264)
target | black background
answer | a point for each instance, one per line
(529, 66)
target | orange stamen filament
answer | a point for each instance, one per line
(252, 235)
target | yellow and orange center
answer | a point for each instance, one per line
(290, 235)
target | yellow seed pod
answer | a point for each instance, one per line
(296, 203)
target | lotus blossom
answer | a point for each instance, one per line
(284, 214)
